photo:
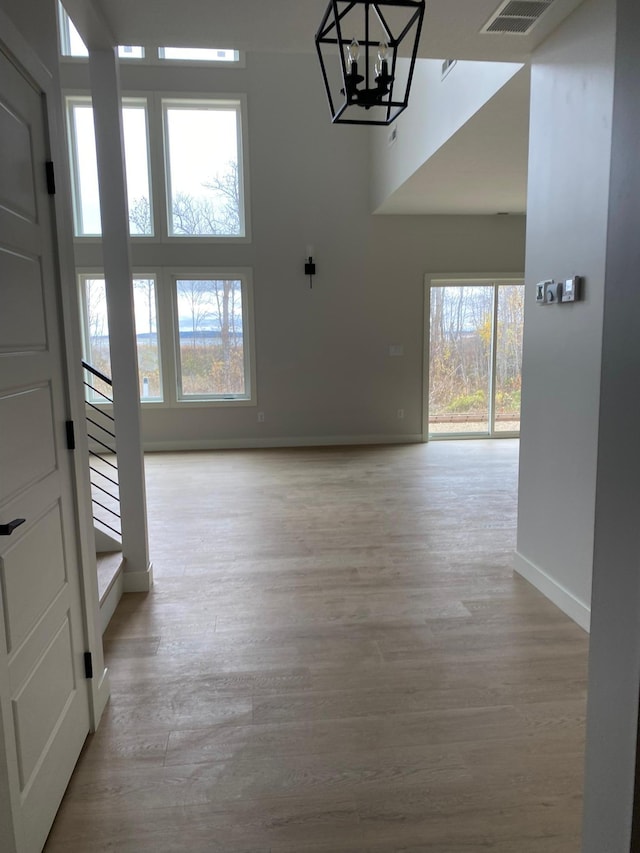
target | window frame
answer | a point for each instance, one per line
(157, 161)
(432, 280)
(151, 54)
(168, 333)
(73, 99)
(235, 102)
(64, 37)
(245, 276)
(161, 59)
(82, 275)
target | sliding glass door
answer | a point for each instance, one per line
(475, 357)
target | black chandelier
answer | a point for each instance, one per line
(358, 44)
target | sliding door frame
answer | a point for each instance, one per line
(462, 279)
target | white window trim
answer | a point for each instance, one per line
(239, 102)
(245, 276)
(167, 331)
(85, 272)
(157, 59)
(74, 98)
(157, 154)
(152, 59)
(152, 54)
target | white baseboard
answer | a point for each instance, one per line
(302, 441)
(137, 581)
(555, 592)
(100, 699)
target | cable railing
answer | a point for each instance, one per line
(103, 456)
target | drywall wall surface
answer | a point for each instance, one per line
(323, 367)
(36, 21)
(437, 109)
(569, 154)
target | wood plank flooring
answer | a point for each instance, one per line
(336, 658)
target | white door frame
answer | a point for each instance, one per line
(460, 277)
(14, 45)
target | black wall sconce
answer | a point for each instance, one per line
(309, 266)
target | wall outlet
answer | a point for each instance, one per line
(396, 350)
(260, 417)
(400, 414)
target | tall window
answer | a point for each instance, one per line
(96, 331)
(85, 168)
(203, 153)
(71, 43)
(213, 341)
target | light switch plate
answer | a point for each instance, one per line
(552, 292)
(540, 291)
(571, 289)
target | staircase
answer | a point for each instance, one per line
(105, 488)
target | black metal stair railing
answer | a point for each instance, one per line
(103, 456)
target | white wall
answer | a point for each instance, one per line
(437, 109)
(570, 145)
(323, 369)
(37, 25)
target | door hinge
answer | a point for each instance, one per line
(51, 177)
(88, 665)
(71, 435)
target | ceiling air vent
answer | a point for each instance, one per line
(516, 17)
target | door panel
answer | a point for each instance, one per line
(30, 582)
(508, 380)
(22, 324)
(27, 456)
(44, 701)
(17, 188)
(460, 359)
(34, 721)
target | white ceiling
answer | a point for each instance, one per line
(482, 169)
(451, 28)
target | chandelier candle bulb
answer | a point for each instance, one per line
(382, 65)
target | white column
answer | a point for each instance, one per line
(612, 784)
(105, 88)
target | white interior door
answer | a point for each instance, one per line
(44, 699)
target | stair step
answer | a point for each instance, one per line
(109, 567)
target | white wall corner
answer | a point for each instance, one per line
(555, 592)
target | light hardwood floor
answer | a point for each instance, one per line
(337, 658)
